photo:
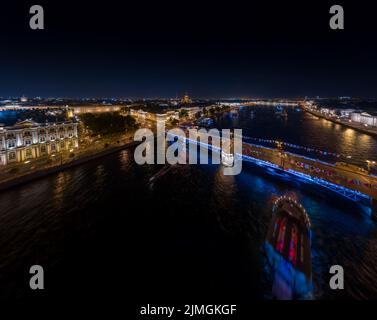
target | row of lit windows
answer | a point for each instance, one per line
(12, 136)
(12, 143)
(40, 132)
(43, 150)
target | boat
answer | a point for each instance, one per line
(280, 111)
(288, 250)
(206, 122)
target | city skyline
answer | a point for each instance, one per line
(191, 155)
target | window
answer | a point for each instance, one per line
(52, 138)
(43, 149)
(28, 142)
(53, 147)
(27, 134)
(28, 153)
(12, 156)
(62, 145)
(11, 144)
(42, 139)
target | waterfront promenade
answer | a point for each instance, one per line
(353, 125)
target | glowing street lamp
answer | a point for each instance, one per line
(370, 164)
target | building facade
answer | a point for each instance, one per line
(364, 118)
(29, 140)
(96, 109)
(328, 111)
(141, 115)
(186, 99)
(192, 111)
(346, 113)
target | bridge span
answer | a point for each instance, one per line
(350, 181)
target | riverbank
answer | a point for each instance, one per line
(351, 125)
(37, 174)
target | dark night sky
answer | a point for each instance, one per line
(160, 49)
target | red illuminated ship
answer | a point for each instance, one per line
(288, 247)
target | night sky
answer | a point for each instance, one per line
(163, 49)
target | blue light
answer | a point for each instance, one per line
(346, 192)
(288, 282)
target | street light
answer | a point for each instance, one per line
(370, 164)
(281, 152)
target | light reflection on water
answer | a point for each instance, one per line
(306, 130)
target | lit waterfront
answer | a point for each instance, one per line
(305, 130)
(197, 224)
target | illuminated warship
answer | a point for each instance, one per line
(288, 248)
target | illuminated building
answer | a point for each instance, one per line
(29, 140)
(70, 112)
(346, 113)
(328, 111)
(141, 115)
(364, 118)
(95, 109)
(186, 99)
(192, 111)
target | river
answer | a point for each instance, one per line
(195, 233)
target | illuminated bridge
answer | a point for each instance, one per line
(284, 103)
(348, 180)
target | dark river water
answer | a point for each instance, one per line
(100, 229)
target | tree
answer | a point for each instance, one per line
(108, 123)
(125, 110)
(183, 113)
(130, 123)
